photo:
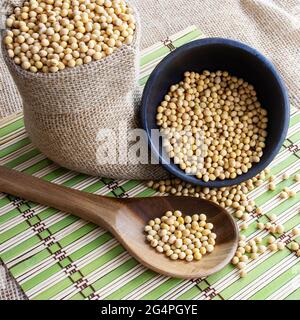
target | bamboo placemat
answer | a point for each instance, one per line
(54, 255)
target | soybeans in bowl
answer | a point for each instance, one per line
(229, 93)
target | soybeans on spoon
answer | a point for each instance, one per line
(126, 218)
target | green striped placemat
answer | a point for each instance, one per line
(54, 255)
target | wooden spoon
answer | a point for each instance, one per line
(126, 218)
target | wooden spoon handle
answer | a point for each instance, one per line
(98, 209)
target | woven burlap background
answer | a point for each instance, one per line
(271, 26)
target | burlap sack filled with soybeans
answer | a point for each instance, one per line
(67, 113)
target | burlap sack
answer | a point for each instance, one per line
(10, 100)
(64, 112)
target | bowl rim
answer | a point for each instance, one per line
(173, 168)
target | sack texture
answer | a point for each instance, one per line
(64, 111)
(10, 100)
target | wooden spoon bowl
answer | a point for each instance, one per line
(145, 209)
(126, 219)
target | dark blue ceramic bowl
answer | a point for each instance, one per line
(240, 60)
